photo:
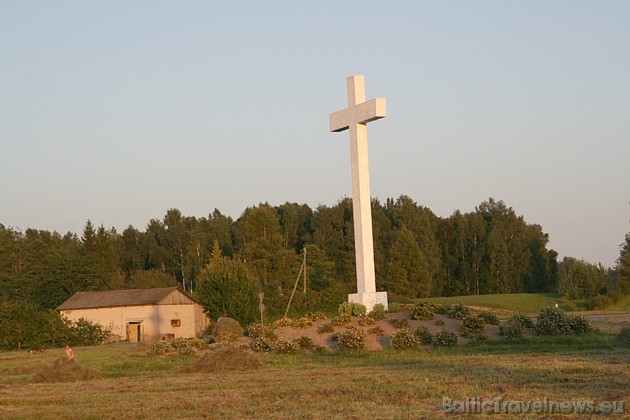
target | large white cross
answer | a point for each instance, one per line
(355, 118)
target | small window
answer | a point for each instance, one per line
(176, 322)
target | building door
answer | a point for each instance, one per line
(134, 332)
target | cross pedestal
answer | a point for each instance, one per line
(355, 118)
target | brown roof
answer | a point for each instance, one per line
(130, 297)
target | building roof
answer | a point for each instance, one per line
(114, 298)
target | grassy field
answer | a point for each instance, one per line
(385, 384)
(527, 303)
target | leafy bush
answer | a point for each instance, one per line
(262, 344)
(368, 320)
(305, 342)
(351, 339)
(489, 318)
(599, 302)
(394, 307)
(511, 329)
(176, 347)
(404, 340)
(525, 321)
(341, 319)
(258, 330)
(400, 323)
(378, 312)
(579, 325)
(327, 328)
(445, 339)
(423, 335)
(378, 331)
(86, 333)
(458, 311)
(285, 346)
(318, 315)
(302, 322)
(472, 325)
(352, 308)
(552, 321)
(226, 339)
(283, 322)
(421, 310)
(438, 308)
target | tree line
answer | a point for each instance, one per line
(417, 254)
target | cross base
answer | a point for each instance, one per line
(369, 299)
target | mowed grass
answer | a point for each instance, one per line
(385, 384)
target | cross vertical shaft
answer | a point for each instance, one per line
(354, 118)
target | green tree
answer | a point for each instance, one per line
(579, 279)
(226, 288)
(407, 273)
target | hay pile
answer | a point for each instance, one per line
(228, 358)
(64, 370)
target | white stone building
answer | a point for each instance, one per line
(139, 315)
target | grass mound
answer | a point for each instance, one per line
(64, 370)
(228, 358)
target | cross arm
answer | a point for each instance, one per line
(364, 113)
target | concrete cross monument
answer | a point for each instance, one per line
(355, 118)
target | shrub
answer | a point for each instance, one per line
(226, 339)
(525, 321)
(423, 335)
(394, 307)
(404, 340)
(599, 302)
(86, 333)
(445, 339)
(439, 322)
(261, 344)
(438, 308)
(327, 328)
(352, 308)
(341, 319)
(400, 323)
(552, 321)
(368, 320)
(302, 322)
(305, 342)
(489, 318)
(623, 338)
(421, 310)
(285, 346)
(471, 325)
(458, 311)
(378, 331)
(258, 330)
(161, 348)
(351, 339)
(511, 329)
(378, 312)
(318, 315)
(283, 322)
(579, 325)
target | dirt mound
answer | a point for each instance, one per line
(229, 358)
(64, 370)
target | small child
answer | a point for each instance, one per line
(69, 352)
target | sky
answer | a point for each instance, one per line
(118, 111)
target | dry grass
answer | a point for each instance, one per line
(384, 384)
(225, 359)
(64, 370)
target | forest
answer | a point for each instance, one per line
(417, 254)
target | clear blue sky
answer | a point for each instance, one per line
(116, 111)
